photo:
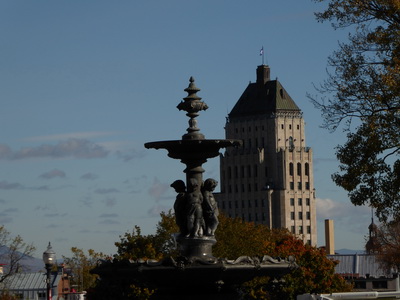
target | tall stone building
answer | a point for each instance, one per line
(269, 180)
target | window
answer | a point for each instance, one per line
(256, 217)
(299, 185)
(298, 127)
(249, 203)
(300, 201)
(236, 204)
(308, 215)
(230, 204)
(263, 216)
(249, 187)
(242, 171)
(255, 171)
(300, 215)
(291, 169)
(223, 204)
(298, 169)
(291, 201)
(308, 229)
(282, 126)
(290, 126)
(249, 143)
(243, 204)
(308, 201)
(262, 202)
(236, 188)
(307, 185)
(266, 171)
(256, 187)
(292, 215)
(236, 172)
(249, 171)
(229, 189)
(293, 229)
(307, 169)
(249, 217)
(292, 185)
(300, 229)
(229, 173)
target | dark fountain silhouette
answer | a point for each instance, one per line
(196, 273)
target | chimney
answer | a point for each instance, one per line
(263, 74)
(329, 237)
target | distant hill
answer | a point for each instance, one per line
(349, 251)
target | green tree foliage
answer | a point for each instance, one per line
(13, 251)
(134, 245)
(363, 88)
(80, 265)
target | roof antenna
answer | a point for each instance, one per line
(262, 55)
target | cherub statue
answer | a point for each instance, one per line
(180, 205)
(194, 210)
(210, 207)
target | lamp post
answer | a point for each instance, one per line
(49, 258)
(269, 189)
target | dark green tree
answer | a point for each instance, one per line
(362, 93)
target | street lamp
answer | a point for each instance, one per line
(49, 258)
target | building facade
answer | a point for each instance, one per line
(269, 180)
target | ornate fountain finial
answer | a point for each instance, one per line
(192, 105)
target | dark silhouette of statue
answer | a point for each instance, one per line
(194, 200)
(210, 207)
(180, 206)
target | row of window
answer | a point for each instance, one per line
(243, 188)
(262, 128)
(300, 185)
(300, 229)
(300, 215)
(243, 203)
(306, 169)
(245, 171)
(299, 201)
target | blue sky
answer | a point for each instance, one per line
(84, 84)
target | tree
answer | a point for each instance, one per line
(387, 246)
(363, 89)
(13, 251)
(80, 265)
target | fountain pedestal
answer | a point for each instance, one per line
(196, 273)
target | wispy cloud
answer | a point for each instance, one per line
(109, 216)
(158, 189)
(130, 154)
(89, 176)
(53, 174)
(110, 202)
(71, 135)
(76, 148)
(4, 185)
(106, 191)
(109, 222)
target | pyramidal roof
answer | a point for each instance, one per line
(265, 96)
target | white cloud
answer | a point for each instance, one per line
(77, 148)
(158, 189)
(53, 174)
(71, 135)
